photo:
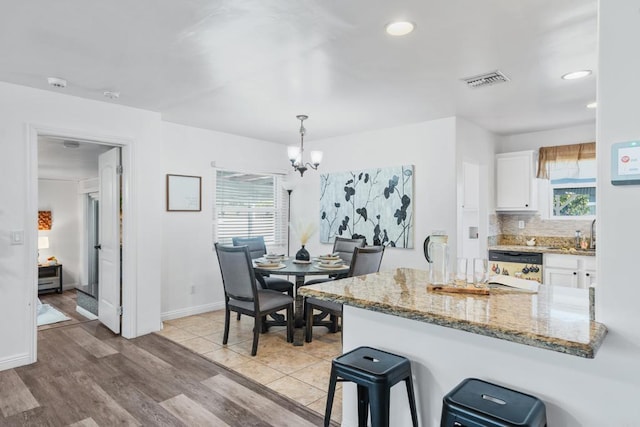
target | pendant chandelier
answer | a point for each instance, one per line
(296, 153)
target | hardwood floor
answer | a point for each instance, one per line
(87, 376)
(66, 303)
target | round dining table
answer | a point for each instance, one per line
(300, 270)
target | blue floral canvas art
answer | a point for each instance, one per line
(376, 204)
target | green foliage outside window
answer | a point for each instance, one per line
(571, 204)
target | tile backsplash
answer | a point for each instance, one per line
(534, 226)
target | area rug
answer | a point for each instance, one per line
(47, 315)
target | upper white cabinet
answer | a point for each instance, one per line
(516, 188)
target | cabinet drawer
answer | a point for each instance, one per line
(561, 261)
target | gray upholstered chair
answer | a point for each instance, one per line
(257, 249)
(344, 249)
(365, 261)
(243, 296)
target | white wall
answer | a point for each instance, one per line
(534, 140)
(61, 198)
(429, 146)
(22, 109)
(188, 257)
(476, 145)
(618, 207)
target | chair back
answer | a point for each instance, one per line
(238, 277)
(344, 247)
(366, 260)
(257, 247)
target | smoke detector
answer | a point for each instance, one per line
(111, 95)
(487, 79)
(57, 82)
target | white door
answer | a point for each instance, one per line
(109, 238)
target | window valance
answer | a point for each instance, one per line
(563, 153)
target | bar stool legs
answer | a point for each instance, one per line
(374, 372)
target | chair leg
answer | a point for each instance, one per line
(227, 315)
(238, 316)
(308, 330)
(257, 327)
(290, 323)
(332, 389)
(379, 399)
(412, 400)
(363, 406)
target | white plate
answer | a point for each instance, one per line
(271, 266)
(329, 257)
(301, 261)
(331, 266)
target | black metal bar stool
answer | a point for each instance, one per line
(375, 372)
(479, 403)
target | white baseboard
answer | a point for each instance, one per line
(86, 313)
(15, 361)
(190, 311)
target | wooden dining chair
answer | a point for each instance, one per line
(258, 249)
(343, 247)
(365, 261)
(243, 296)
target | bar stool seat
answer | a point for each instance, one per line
(374, 372)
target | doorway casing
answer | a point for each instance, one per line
(129, 242)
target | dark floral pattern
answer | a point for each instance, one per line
(375, 204)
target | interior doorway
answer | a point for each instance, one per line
(71, 183)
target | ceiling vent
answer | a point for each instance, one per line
(487, 79)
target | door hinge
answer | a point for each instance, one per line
(120, 311)
(119, 169)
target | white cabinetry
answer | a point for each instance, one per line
(516, 188)
(572, 271)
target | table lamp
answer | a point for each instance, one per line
(43, 243)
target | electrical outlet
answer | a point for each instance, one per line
(193, 289)
(520, 225)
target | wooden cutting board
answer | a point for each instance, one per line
(458, 289)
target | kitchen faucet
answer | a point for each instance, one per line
(592, 239)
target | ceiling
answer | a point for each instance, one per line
(55, 161)
(248, 67)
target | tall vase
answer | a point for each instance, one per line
(303, 254)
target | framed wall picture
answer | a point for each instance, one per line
(184, 193)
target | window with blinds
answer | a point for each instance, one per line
(249, 205)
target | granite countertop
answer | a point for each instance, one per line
(555, 318)
(544, 250)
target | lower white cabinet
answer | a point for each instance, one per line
(573, 271)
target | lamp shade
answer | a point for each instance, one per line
(43, 242)
(293, 152)
(316, 157)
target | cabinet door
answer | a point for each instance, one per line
(561, 277)
(514, 182)
(470, 186)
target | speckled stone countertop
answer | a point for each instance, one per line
(555, 318)
(544, 250)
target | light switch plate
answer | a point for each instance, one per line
(17, 237)
(520, 225)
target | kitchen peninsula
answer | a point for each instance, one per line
(544, 344)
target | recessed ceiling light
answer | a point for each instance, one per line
(576, 75)
(111, 95)
(57, 82)
(400, 28)
(592, 105)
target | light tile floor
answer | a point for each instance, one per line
(300, 373)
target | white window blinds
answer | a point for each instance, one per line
(249, 205)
